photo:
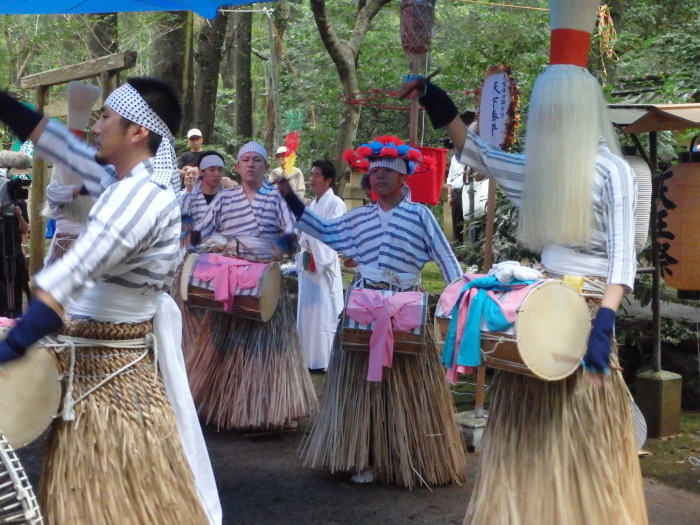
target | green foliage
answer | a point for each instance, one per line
(467, 39)
(505, 245)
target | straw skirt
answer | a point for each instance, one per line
(559, 452)
(121, 459)
(246, 374)
(404, 426)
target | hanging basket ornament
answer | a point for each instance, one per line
(417, 18)
(678, 224)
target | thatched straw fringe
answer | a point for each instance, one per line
(558, 452)
(247, 374)
(120, 460)
(404, 426)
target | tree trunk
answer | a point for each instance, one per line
(208, 61)
(103, 34)
(280, 20)
(103, 40)
(243, 122)
(169, 51)
(344, 54)
(188, 75)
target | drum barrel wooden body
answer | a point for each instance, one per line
(549, 336)
(258, 307)
(356, 338)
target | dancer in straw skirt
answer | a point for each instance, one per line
(200, 191)
(118, 453)
(245, 373)
(563, 451)
(398, 427)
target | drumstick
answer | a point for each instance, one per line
(419, 83)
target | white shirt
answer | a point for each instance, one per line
(611, 252)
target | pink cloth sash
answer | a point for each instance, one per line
(229, 274)
(401, 312)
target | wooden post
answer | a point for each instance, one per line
(353, 194)
(413, 119)
(107, 68)
(656, 277)
(37, 223)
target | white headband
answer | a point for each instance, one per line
(391, 163)
(253, 147)
(128, 103)
(209, 161)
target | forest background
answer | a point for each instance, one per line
(262, 70)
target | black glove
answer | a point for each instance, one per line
(597, 358)
(38, 321)
(17, 116)
(295, 205)
(438, 105)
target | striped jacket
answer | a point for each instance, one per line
(132, 236)
(231, 214)
(194, 204)
(413, 238)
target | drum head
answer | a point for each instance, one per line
(552, 330)
(270, 291)
(30, 395)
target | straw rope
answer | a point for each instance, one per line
(247, 374)
(403, 426)
(558, 452)
(120, 460)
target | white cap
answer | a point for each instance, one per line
(194, 132)
(282, 150)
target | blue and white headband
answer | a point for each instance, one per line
(128, 103)
(253, 147)
(210, 160)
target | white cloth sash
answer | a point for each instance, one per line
(566, 261)
(400, 280)
(109, 303)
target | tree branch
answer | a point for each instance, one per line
(364, 18)
(337, 48)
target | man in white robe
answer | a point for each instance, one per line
(320, 286)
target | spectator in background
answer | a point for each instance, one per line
(296, 177)
(188, 162)
(14, 226)
(320, 299)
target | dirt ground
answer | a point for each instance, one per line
(261, 482)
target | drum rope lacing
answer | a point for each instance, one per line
(62, 342)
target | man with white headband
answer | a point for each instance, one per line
(195, 203)
(131, 457)
(247, 374)
(378, 428)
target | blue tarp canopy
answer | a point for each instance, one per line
(205, 8)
